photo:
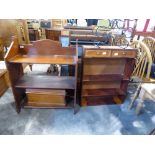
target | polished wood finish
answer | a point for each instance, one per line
(103, 77)
(46, 47)
(105, 74)
(56, 59)
(25, 87)
(49, 82)
(45, 97)
(102, 92)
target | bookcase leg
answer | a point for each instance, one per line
(18, 95)
(18, 109)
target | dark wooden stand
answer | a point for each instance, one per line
(41, 52)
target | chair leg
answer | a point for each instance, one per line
(30, 67)
(135, 96)
(139, 107)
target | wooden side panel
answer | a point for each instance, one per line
(15, 73)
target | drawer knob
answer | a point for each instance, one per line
(104, 53)
(115, 54)
(124, 53)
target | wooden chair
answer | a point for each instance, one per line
(143, 64)
(150, 42)
(119, 40)
(142, 69)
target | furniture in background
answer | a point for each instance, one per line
(34, 34)
(143, 63)
(87, 36)
(42, 91)
(12, 27)
(58, 23)
(142, 70)
(105, 74)
(144, 32)
(150, 42)
(4, 78)
(4, 81)
(53, 33)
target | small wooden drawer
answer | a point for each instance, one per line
(97, 53)
(127, 54)
(45, 97)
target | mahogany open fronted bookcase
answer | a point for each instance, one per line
(42, 91)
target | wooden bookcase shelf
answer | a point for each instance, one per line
(46, 82)
(106, 72)
(103, 77)
(42, 91)
(40, 59)
(102, 92)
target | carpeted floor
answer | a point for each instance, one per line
(111, 119)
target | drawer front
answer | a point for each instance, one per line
(126, 54)
(45, 98)
(97, 53)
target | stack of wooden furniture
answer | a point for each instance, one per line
(106, 72)
(42, 91)
(85, 35)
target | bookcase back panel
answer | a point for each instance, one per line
(104, 66)
(47, 47)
